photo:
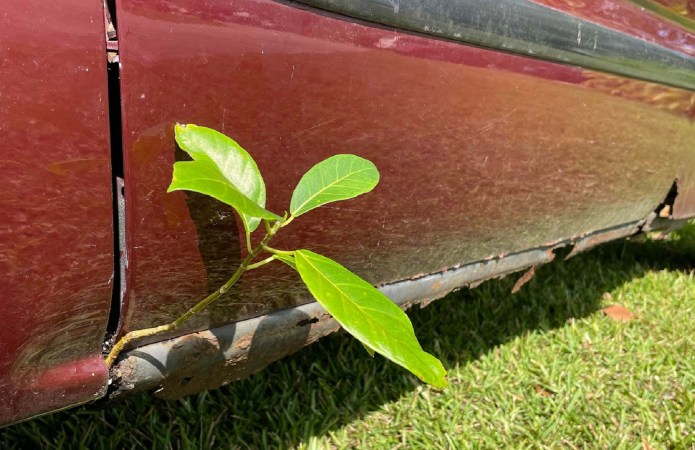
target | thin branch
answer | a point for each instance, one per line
(278, 252)
(287, 222)
(261, 263)
(249, 249)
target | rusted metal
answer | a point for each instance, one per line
(207, 359)
(198, 361)
(586, 242)
(109, 24)
(525, 278)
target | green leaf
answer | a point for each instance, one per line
(203, 176)
(287, 259)
(368, 348)
(339, 177)
(368, 315)
(233, 162)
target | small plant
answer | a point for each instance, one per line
(222, 169)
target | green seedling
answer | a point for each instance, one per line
(222, 169)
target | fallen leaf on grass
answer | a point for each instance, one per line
(618, 313)
(541, 391)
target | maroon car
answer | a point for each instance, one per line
(503, 131)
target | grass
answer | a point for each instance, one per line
(544, 368)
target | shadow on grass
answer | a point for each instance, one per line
(334, 382)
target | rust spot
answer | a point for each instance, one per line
(590, 240)
(305, 322)
(243, 343)
(436, 286)
(525, 278)
(475, 284)
(425, 302)
(665, 212)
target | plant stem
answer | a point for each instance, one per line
(249, 249)
(287, 221)
(278, 252)
(261, 263)
(244, 266)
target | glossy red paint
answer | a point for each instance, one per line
(631, 19)
(56, 232)
(480, 152)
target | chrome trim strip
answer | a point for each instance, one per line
(527, 28)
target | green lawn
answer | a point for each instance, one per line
(544, 368)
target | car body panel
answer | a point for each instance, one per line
(491, 159)
(482, 153)
(56, 234)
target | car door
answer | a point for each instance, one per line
(554, 126)
(56, 226)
